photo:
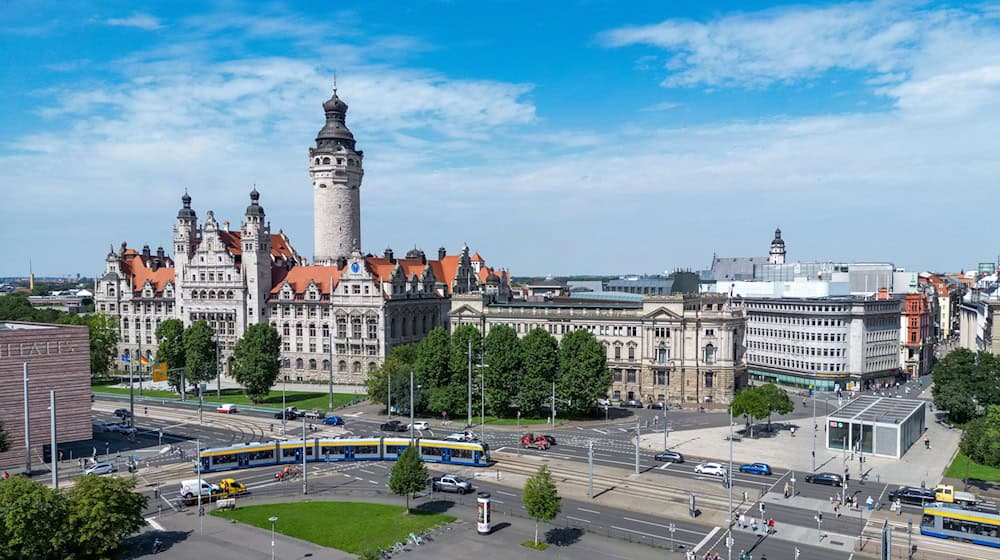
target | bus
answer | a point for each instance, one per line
(946, 521)
(256, 454)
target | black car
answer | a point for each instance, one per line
(671, 456)
(285, 415)
(393, 426)
(123, 413)
(912, 495)
(658, 405)
(631, 404)
(830, 479)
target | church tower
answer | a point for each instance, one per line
(335, 171)
(777, 255)
(256, 259)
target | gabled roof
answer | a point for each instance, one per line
(280, 245)
(138, 272)
(299, 277)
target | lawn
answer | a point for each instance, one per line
(302, 399)
(349, 526)
(976, 471)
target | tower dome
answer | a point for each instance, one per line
(335, 132)
(777, 253)
(255, 209)
(186, 211)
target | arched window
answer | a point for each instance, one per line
(317, 161)
(661, 353)
(326, 161)
(341, 327)
(372, 366)
(194, 294)
(312, 329)
(229, 294)
(326, 365)
(312, 364)
(342, 366)
(211, 294)
(204, 294)
(298, 363)
(709, 354)
(356, 367)
(298, 329)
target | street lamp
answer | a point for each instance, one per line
(331, 367)
(411, 406)
(482, 410)
(284, 410)
(218, 369)
(272, 520)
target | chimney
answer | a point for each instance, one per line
(388, 255)
(145, 252)
(442, 253)
(159, 253)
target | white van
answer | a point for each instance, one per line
(189, 488)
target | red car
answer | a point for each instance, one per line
(227, 409)
(533, 441)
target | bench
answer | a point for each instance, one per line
(226, 503)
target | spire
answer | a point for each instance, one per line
(255, 209)
(186, 212)
(335, 132)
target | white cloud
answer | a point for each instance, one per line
(139, 21)
(661, 106)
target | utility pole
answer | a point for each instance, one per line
(27, 425)
(664, 425)
(729, 474)
(552, 409)
(469, 423)
(482, 409)
(284, 409)
(54, 454)
(218, 371)
(331, 367)
(815, 429)
(590, 469)
(411, 407)
(305, 471)
(388, 395)
(131, 390)
(636, 447)
(197, 460)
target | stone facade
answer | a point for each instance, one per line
(678, 348)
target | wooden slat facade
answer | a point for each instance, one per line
(58, 357)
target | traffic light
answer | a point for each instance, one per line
(762, 508)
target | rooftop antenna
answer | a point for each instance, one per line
(335, 81)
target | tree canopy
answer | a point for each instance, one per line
(502, 355)
(540, 363)
(966, 384)
(408, 475)
(584, 376)
(761, 402)
(199, 353)
(541, 498)
(981, 438)
(102, 512)
(170, 350)
(256, 358)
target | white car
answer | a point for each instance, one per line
(100, 468)
(420, 426)
(461, 436)
(714, 469)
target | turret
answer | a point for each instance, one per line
(256, 258)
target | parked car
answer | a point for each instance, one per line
(756, 468)
(670, 456)
(658, 405)
(286, 415)
(100, 468)
(451, 483)
(333, 421)
(714, 469)
(632, 404)
(123, 413)
(912, 495)
(227, 409)
(393, 426)
(106, 426)
(419, 425)
(830, 479)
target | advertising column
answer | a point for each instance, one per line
(483, 513)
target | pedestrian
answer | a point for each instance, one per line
(753, 524)
(743, 521)
(836, 508)
(899, 507)
(770, 526)
(788, 489)
(6, 475)
(870, 503)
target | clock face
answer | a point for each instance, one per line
(355, 267)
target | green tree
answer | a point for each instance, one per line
(749, 403)
(170, 350)
(584, 376)
(3, 438)
(541, 498)
(103, 342)
(33, 520)
(256, 360)
(199, 353)
(453, 397)
(102, 512)
(540, 359)
(406, 353)
(502, 354)
(15, 307)
(981, 438)
(966, 383)
(408, 475)
(431, 363)
(776, 400)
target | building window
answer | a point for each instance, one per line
(312, 364)
(356, 327)
(372, 366)
(618, 376)
(356, 367)
(709, 379)
(312, 347)
(285, 330)
(342, 366)
(326, 365)
(285, 362)
(341, 327)
(298, 329)
(312, 329)
(618, 352)
(709, 354)
(631, 353)
(373, 328)
(660, 377)
(298, 346)
(617, 395)
(662, 354)
(298, 363)
(630, 376)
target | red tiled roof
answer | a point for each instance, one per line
(477, 258)
(445, 269)
(138, 273)
(299, 277)
(280, 246)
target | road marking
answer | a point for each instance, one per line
(589, 510)
(665, 465)
(164, 498)
(640, 533)
(154, 524)
(600, 431)
(579, 427)
(373, 481)
(506, 493)
(705, 540)
(366, 471)
(577, 519)
(497, 501)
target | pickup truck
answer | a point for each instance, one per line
(314, 413)
(947, 494)
(451, 483)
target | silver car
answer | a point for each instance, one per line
(100, 468)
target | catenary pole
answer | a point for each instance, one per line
(729, 475)
(27, 425)
(54, 455)
(331, 368)
(636, 447)
(469, 423)
(305, 471)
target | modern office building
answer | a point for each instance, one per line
(682, 348)
(57, 358)
(881, 426)
(844, 341)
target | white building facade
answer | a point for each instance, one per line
(679, 348)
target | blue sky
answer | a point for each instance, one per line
(553, 137)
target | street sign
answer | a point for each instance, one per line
(160, 372)
(886, 541)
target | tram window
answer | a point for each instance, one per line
(290, 451)
(222, 459)
(332, 450)
(461, 453)
(258, 455)
(432, 451)
(366, 450)
(397, 449)
(927, 520)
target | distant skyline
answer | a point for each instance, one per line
(586, 137)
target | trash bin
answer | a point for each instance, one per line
(483, 507)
